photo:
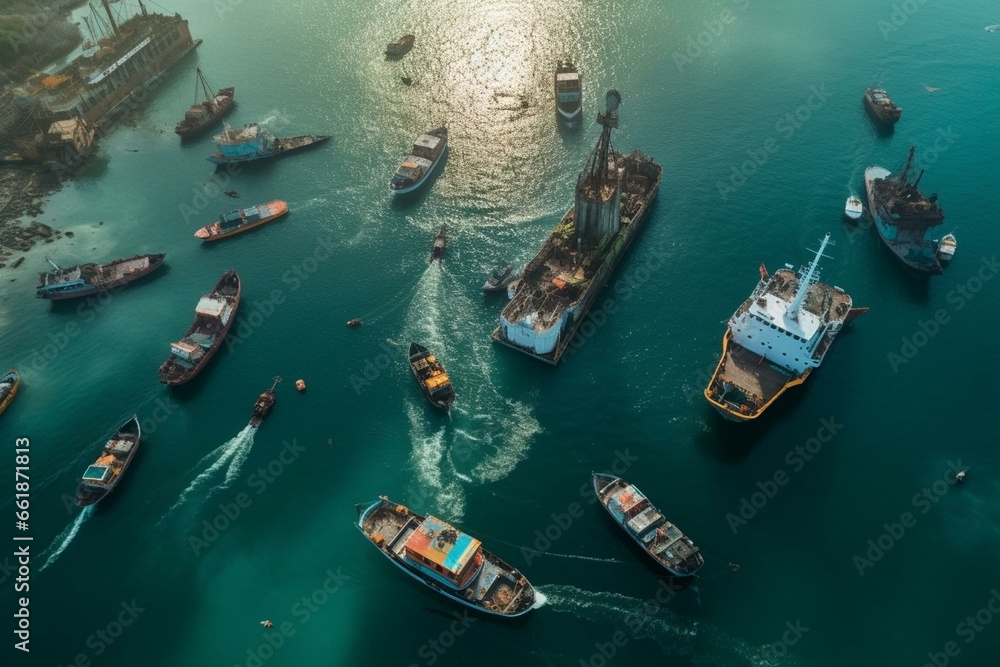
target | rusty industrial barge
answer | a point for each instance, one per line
(557, 287)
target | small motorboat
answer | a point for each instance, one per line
(232, 193)
(102, 476)
(499, 279)
(440, 243)
(408, 81)
(9, 383)
(946, 248)
(356, 322)
(400, 47)
(262, 408)
(854, 207)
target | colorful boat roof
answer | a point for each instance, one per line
(628, 498)
(433, 541)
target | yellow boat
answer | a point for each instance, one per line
(8, 388)
(242, 219)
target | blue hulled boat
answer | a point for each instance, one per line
(662, 540)
(253, 142)
(442, 557)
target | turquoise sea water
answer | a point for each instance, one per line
(145, 578)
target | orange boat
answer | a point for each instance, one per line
(242, 219)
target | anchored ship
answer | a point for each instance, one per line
(205, 113)
(445, 559)
(242, 219)
(428, 150)
(214, 315)
(569, 94)
(903, 216)
(103, 475)
(253, 142)
(87, 279)
(125, 55)
(557, 287)
(776, 338)
(881, 107)
(659, 538)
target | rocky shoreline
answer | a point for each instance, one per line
(21, 193)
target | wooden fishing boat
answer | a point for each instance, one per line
(946, 248)
(266, 401)
(242, 219)
(204, 113)
(400, 47)
(445, 559)
(662, 540)
(104, 474)
(87, 279)
(440, 244)
(9, 384)
(431, 376)
(214, 314)
(881, 107)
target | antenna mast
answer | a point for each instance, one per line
(809, 276)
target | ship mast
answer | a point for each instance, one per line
(107, 8)
(906, 169)
(596, 213)
(808, 277)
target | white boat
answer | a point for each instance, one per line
(946, 248)
(854, 207)
(428, 150)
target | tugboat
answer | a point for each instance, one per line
(104, 474)
(205, 113)
(253, 142)
(777, 338)
(242, 219)
(262, 408)
(447, 560)
(400, 47)
(431, 376)
(9, 384)
(428, 150)
(569, 94)
(659, 538)
(903, 216)
(881, 107)
(946, 248)
(499, 279)
(214, 314)
(854, 207)
(87, 279)
(440, 243)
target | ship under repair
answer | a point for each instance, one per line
(557, 287)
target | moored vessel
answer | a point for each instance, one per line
(881, 107)
(431, 377)
(440, 244)
(214, 314)
(946, 248)
(9, 384)
(242, 219)
(569, 94)
(86, 279)
(204, 113)
(400, 47)
(266, 401)
(662, 540)
(903, 216)
(777, 338)
(557, 287)
(428, 150)
(501, 277)
(854, 207)
(445, 559)
(253, 142)
(103, 475)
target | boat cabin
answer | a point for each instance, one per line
(427, 146)
(632, 509)
(444, 552)
(437, 380)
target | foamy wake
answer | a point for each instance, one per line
(699, 643)
(229, 456)
(64, 538)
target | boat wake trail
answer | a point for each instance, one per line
(229, 456)
(993, 28)
(590, 558)
(64, 538)
(487, 434)
(698, 642)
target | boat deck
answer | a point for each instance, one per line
(745, 378)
